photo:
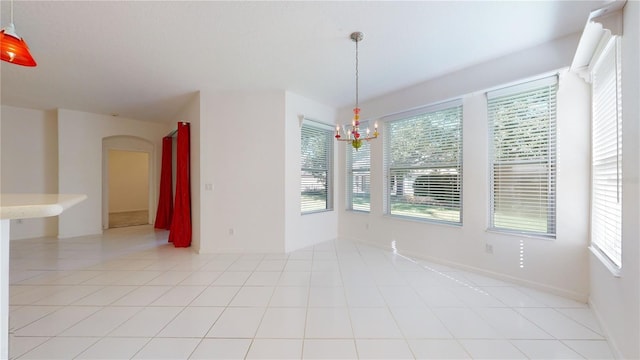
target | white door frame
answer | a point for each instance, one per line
(127, 143)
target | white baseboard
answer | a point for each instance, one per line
(612, 343)
(125, 211)
(499, 276)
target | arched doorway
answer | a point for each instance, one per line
(127, 163)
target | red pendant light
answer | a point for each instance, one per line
(13, 48)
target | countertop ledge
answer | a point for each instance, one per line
(25, 206)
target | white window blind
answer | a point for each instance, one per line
(359, 175)
(606, 188)
(423, 163)
(316, 167)
(522, 138)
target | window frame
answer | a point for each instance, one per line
(449, 105)
(327, 131)
(515, 92)
(611, 47)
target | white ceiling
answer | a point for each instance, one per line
(143, 60)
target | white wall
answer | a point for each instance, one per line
(29, 148)
(616, 301)
(80, 160)
(305, 230)
(528, 63)
(250, 157)
(191, 113)
(242, 157)
(559, 265)
(128, 181)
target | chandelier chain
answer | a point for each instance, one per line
(357, 73)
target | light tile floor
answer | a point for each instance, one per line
(129, 295)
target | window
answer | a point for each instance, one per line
(359, 176)
(316, 167)
(522, 138)
(423, 163)
(606, 158)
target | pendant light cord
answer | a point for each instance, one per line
(11, 11)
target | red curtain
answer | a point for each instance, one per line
(180, 233)
(165, 201)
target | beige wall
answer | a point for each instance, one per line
(241, 177)
(62, 151)
(128, 181)
(29, 148)
(80, 159)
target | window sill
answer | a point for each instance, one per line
(353, 211)
(423, 220)
(613, 269)
(316, 212)
(519, 234)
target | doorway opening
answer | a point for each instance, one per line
(123, 180)
(128, 188)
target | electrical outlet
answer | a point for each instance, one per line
(488, 248)
(231, 231)
(19, 221)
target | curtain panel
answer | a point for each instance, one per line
(165, 200)
(180, 232)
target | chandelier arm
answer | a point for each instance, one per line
(368, 138)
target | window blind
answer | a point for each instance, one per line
(606, 209)
(423, 164)
(316, 148)
(359, 175)
(522, 137)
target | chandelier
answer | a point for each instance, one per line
(352, 133)
(13, 48)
